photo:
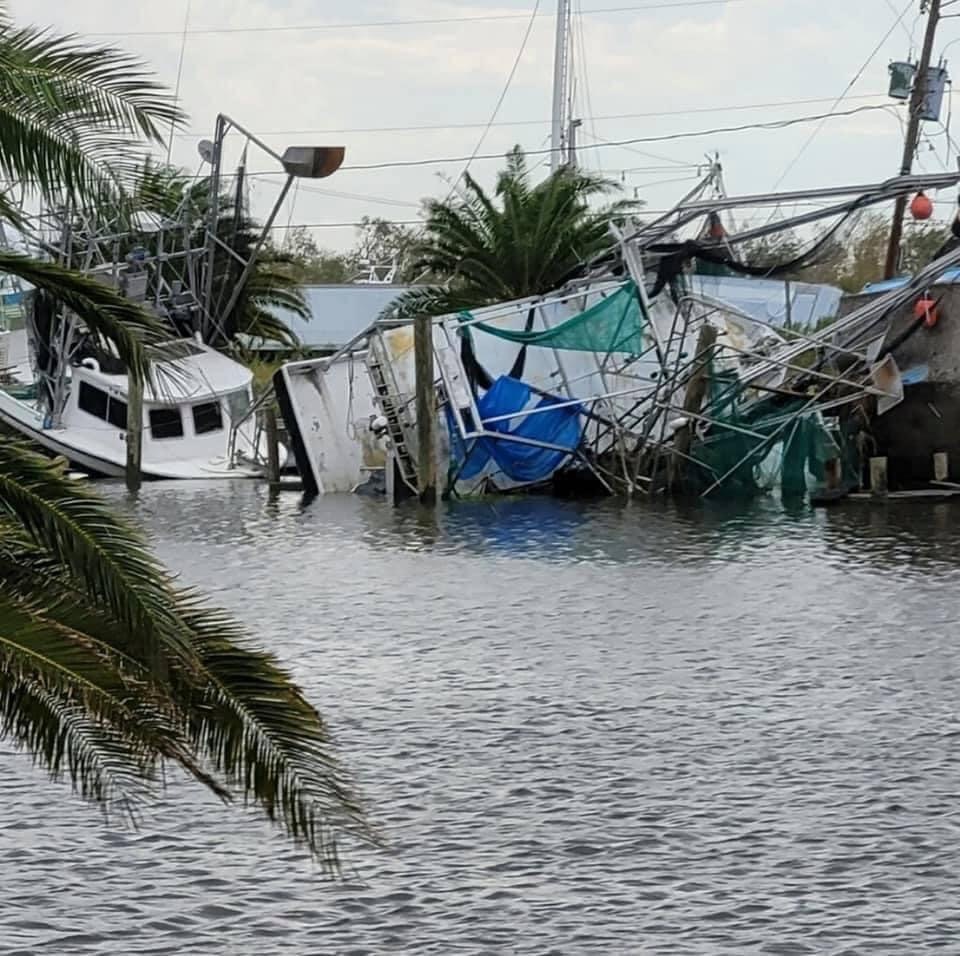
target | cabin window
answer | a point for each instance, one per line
(117, 413)
(96, 402)
(166, 423)
(207, 418)
(93, 401)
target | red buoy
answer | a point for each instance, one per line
(921, 207)
(927, 310)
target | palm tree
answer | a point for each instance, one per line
(108, 670)
(524, 241)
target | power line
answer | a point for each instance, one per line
(668, 137)
(816, 132)
(432, 21)
(687, 111)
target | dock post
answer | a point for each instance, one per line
(878, 477)
(833, 473)
(273, 445)
(941, 466)
(426, 410)
(134, 434)
(696, 392)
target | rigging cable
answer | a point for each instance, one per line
(176, 92)
(503, 96)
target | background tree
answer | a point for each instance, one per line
(307, 263)
(386, 247)
(854, 261)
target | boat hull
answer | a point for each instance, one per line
(27, 422)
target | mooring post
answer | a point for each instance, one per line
(273, 444)
(941, 466)
(878, 477)
(134, 433)
(696, 391)
(833, 473)
(426, 410)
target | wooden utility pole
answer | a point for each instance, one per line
(426, 410)
(134, 432)
(913, 135)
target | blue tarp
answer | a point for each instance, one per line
(519, 462)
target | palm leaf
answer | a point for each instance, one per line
(97, 547)
(72, 116)
(106, 314)
(197, 694)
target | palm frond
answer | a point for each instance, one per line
(522, 241)
(72, 115)
(106, 314)
(199, 695)
(102, 552)
(259, 731)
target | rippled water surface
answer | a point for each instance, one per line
(583, 729)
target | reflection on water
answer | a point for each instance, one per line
(603, 728)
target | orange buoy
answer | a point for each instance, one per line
(927, 310)
(921, 208)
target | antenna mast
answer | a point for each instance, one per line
(561, 82)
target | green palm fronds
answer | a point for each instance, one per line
(74, 118)
(109, 673)
(523, 241)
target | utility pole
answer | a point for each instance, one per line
(561, 64)
(912, 140)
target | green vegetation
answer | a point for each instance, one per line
(379, 243)
(522, 241)
(109, 671)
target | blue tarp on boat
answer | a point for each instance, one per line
(519, 462)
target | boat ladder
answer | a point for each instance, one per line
(394, 407)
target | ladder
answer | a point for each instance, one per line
(395, 409)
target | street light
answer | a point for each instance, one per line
(298, 162)
(312, 162)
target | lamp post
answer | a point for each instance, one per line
(298, 162)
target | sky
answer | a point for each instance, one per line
(333, 72)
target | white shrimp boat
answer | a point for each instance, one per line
(195, 422)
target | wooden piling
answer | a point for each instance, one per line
(941, 466)
(134, 472)
(426, 410)
(273, 444)
(878, 477)
(696, 391)
(833, 473)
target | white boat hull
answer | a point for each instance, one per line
(26, 420)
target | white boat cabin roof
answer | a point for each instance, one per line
(198, 371)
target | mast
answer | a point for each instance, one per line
(912, 140)
(561, 79)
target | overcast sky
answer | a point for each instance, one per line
(685, 66)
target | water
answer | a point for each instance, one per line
(583, 729)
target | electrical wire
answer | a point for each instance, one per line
(666, 138)
(689, 111)
(431, 21)
(807, 143)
